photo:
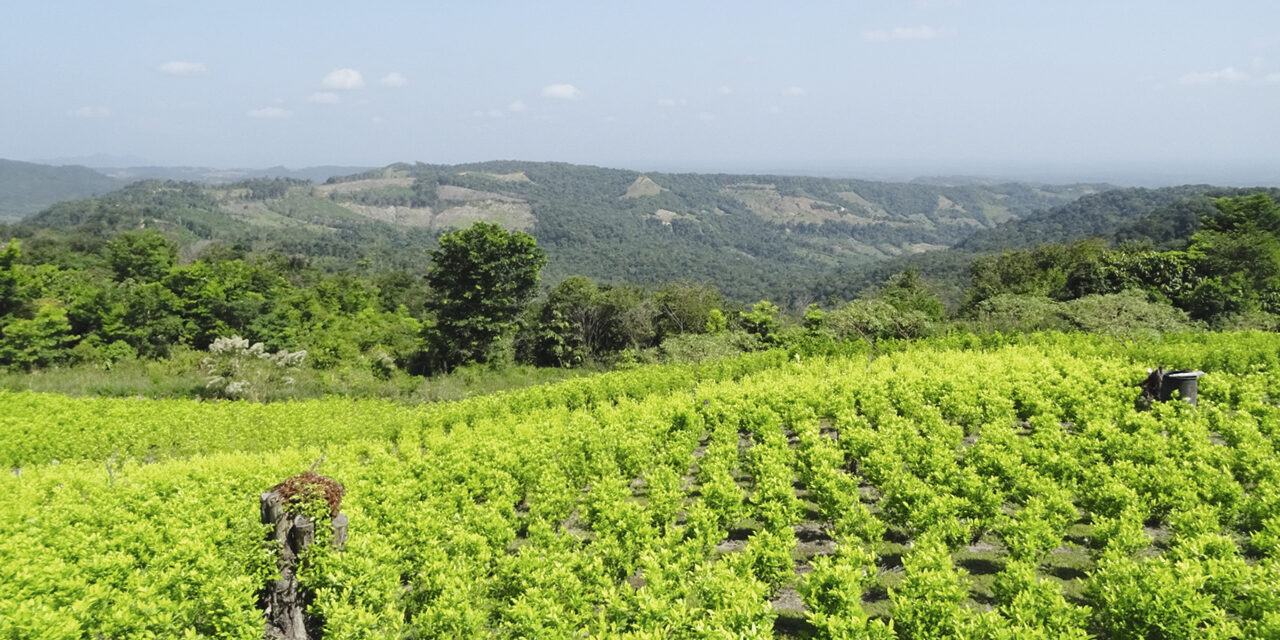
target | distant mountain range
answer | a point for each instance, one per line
(751, 236)
(206, 175)
(787, 238)
(27, 187)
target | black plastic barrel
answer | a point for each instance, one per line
(1186, 383)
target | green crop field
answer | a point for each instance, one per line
(957, 487)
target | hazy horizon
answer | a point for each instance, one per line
(1142, 92)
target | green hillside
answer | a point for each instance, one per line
(751, 236)
(1166, 216)
(1163, 218)
(26, 188)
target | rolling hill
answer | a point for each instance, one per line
(26, 188)
(1164, 218)
(751, 236)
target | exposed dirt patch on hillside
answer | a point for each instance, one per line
(258, 214)
(947, 205)
(517, 176)
(407, 216)
(642, 187)
(996, 213)
(515, 215)
(765, 201)
(921, 247)
(453, 193)
(870, 208)
(510, 213)
(667, 216)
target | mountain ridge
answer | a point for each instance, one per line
(751, 236)
(27, 187)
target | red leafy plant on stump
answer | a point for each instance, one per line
(307, 488)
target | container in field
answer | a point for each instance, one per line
(1186, 383)
(1160, 385)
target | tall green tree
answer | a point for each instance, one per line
(144, 256)
(570, 323)
(223, 298)
(684, 308)
(482, 277)
(38, 342)
(8, 278)
(762, 320)
(1237, 255)
(907, 292)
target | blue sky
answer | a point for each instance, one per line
(1185, 90)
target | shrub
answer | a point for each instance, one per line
(873, 319)
(1128, 314)
(1009, 313)
(237, 369)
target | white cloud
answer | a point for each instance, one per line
(517, 106)
(724, 89)
(494, 113)
(185, 69)
(393, 80)
(324, 97)
(1272, 78)
(923, 32)
(561, 92)
(706, 117)
(274, 113)
(378, 120)
(343, 79)
(90, 112)
(672, 102)
(1221, 76)
(793, 91)
(773, 110)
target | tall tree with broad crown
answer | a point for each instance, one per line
(482, 277)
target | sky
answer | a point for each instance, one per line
(1122, 90)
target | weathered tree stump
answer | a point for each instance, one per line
(283, 601)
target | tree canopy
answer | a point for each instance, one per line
(482, 277)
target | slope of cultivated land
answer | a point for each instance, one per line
(953, 488)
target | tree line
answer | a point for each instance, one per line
(1227, 274)
(133, 298)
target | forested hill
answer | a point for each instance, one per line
(1166, 217)
(1163, 218)
(750, 236)
(26, 188)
